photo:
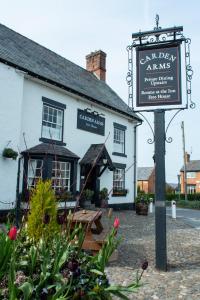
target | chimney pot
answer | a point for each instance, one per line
(96, 63)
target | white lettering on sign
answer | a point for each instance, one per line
(159, 55)
(91, 120)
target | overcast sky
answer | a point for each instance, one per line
(75, 28)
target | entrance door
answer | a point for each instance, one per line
(92, 183)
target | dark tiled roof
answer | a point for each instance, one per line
(37, 60)
(143, 173)
(45, 148)
(96, 152)
(192, 166)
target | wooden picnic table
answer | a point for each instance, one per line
(87, 218)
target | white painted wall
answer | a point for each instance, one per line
(22, 113)
(11, 95)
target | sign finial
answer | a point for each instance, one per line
(157, 22)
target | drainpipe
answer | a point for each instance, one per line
(18, 200)
(135, 162)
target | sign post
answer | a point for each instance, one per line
(160, 208)
(158, 89)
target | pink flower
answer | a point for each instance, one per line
(13, 233)
(116, 223)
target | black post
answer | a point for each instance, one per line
(160, 208)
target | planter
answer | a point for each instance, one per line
(9, 153)
(141, 209)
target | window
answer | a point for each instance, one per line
(191, 188)
(119, 140)
(52, 123)
(35, 167)
(61, 175)
(118, 179)
(119, 136)
(191, 174)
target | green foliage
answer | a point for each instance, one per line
(142, 198)
(10, 153)
(88, 194)
(188, 204)
(42, 218)
(6, 249)
(103, 193)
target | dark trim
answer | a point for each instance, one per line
(119, 195)
(53, 103)
(49, 141)
(119, 126)
(122, 206)
(119, 154)
(70, 90)
(119, 165)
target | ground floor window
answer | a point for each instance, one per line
(35, 167)
(118, 179)
(61, 175)
(191, 188)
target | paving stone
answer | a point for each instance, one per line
(181, 281)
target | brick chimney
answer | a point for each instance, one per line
(187, 157)
(96, 63)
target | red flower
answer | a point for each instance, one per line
(116, 223)
(12, 233)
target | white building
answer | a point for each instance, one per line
(64, 121)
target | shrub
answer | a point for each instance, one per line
(42, 220)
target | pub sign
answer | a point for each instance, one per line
(90, 122)
(158, 75)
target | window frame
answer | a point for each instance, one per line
(119, 192)
(55, 105)
(191, 173)
(121, 128)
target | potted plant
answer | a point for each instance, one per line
(87, 197)
(103, 197)
(10, 153)
(142, 204)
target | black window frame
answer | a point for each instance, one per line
(122, 128)
(123, 192)
(56, 105)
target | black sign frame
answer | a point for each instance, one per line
(90, 122)
(163, 101)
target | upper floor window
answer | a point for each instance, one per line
(191, 174)
(119, 139)
(52, 120)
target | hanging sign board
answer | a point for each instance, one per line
(158, 75)
(90, 122)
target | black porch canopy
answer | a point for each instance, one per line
(98, 154)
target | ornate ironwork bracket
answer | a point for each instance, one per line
(150, 140)
(170, 139)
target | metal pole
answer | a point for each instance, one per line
(160, 208)
(184, 160)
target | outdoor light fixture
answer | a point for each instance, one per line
(105, 161)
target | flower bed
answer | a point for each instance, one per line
(45, 260)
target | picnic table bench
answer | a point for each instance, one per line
(88, 218)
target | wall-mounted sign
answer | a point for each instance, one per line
(158, 75)
(90, 122)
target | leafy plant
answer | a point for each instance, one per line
(88, 194)
(10, 153)
(104, 193)
(42, 220)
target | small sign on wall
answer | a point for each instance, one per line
(90, 122)
(158, 75)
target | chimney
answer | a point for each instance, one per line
(187, 157)
(96, 63)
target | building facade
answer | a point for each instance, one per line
(146, 179)
(65, 122)
(192, 176)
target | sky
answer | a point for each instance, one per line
(73, 29)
